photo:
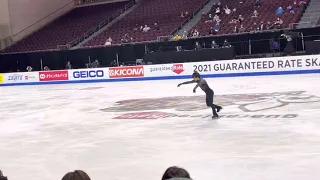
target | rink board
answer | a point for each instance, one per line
(209, 69)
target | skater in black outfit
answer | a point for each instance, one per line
(209, 92)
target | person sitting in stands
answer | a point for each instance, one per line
(29, 68)
(177, 37)
(240, 18)
(255, 14)
(226, 44)
(262, 26)
(214, 45)
(212, 31)
(227, 10)
(242, 29)
(235, 29)
(126, 38)
(46, 68)
(290, 9)
(68, 65)
(216, 27)
(257, 3)
(197, 46)
(269, 25)
(108, 42)
(156, 27)
(279, 10)
(278, 23)
(195, 33)
(146, 28)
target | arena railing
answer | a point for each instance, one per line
(99, 26)
(308, 24)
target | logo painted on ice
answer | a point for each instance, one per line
(248, 103)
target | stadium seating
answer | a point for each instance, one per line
(67, 28)
(166, 13)
(246, 8)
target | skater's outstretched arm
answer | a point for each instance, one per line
(187, 82)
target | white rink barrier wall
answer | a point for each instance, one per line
(227, 68)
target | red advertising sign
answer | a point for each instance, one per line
(177, 68)
(53, 76)
(120, 72)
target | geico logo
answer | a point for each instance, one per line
(86, 74)
(127, 72)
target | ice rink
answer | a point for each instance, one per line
(269, 130)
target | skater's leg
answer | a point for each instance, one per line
(209, 102)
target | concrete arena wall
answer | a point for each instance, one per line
(5, 30)
(24, 13)
(230, 68)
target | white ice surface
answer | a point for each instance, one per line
(46, 131)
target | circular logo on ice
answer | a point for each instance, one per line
(42, 76)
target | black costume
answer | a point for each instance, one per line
(209, 95)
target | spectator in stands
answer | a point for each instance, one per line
(46, 68)
(226, 44)
(234, 20)
(76, 175)
(190, 34)
(262, 28)
(2, 177)
(195, 33)
(302, 5)
(175, 173)
(96, 64)
(242, 29)
(186, 14)
(257, 3)
(278, 23)
(269, 26)
(240, 18)
(219, 5)
(197, 46)
(227, 10)
(279, 10)
(176, 37)
(216, 27)
(108, 42)
(218, 11)
(234, 10)
(182, 15)
(29, 68)
(146, 28)
(68, 65)
(235, 29)
(212, 31)
(290, 9)
(185, 34)
(255, 14)
(216, 18)
(255, 28)
(210, 16)
(203, 15)
(126, 38)
(214, 45)
(156, 27)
